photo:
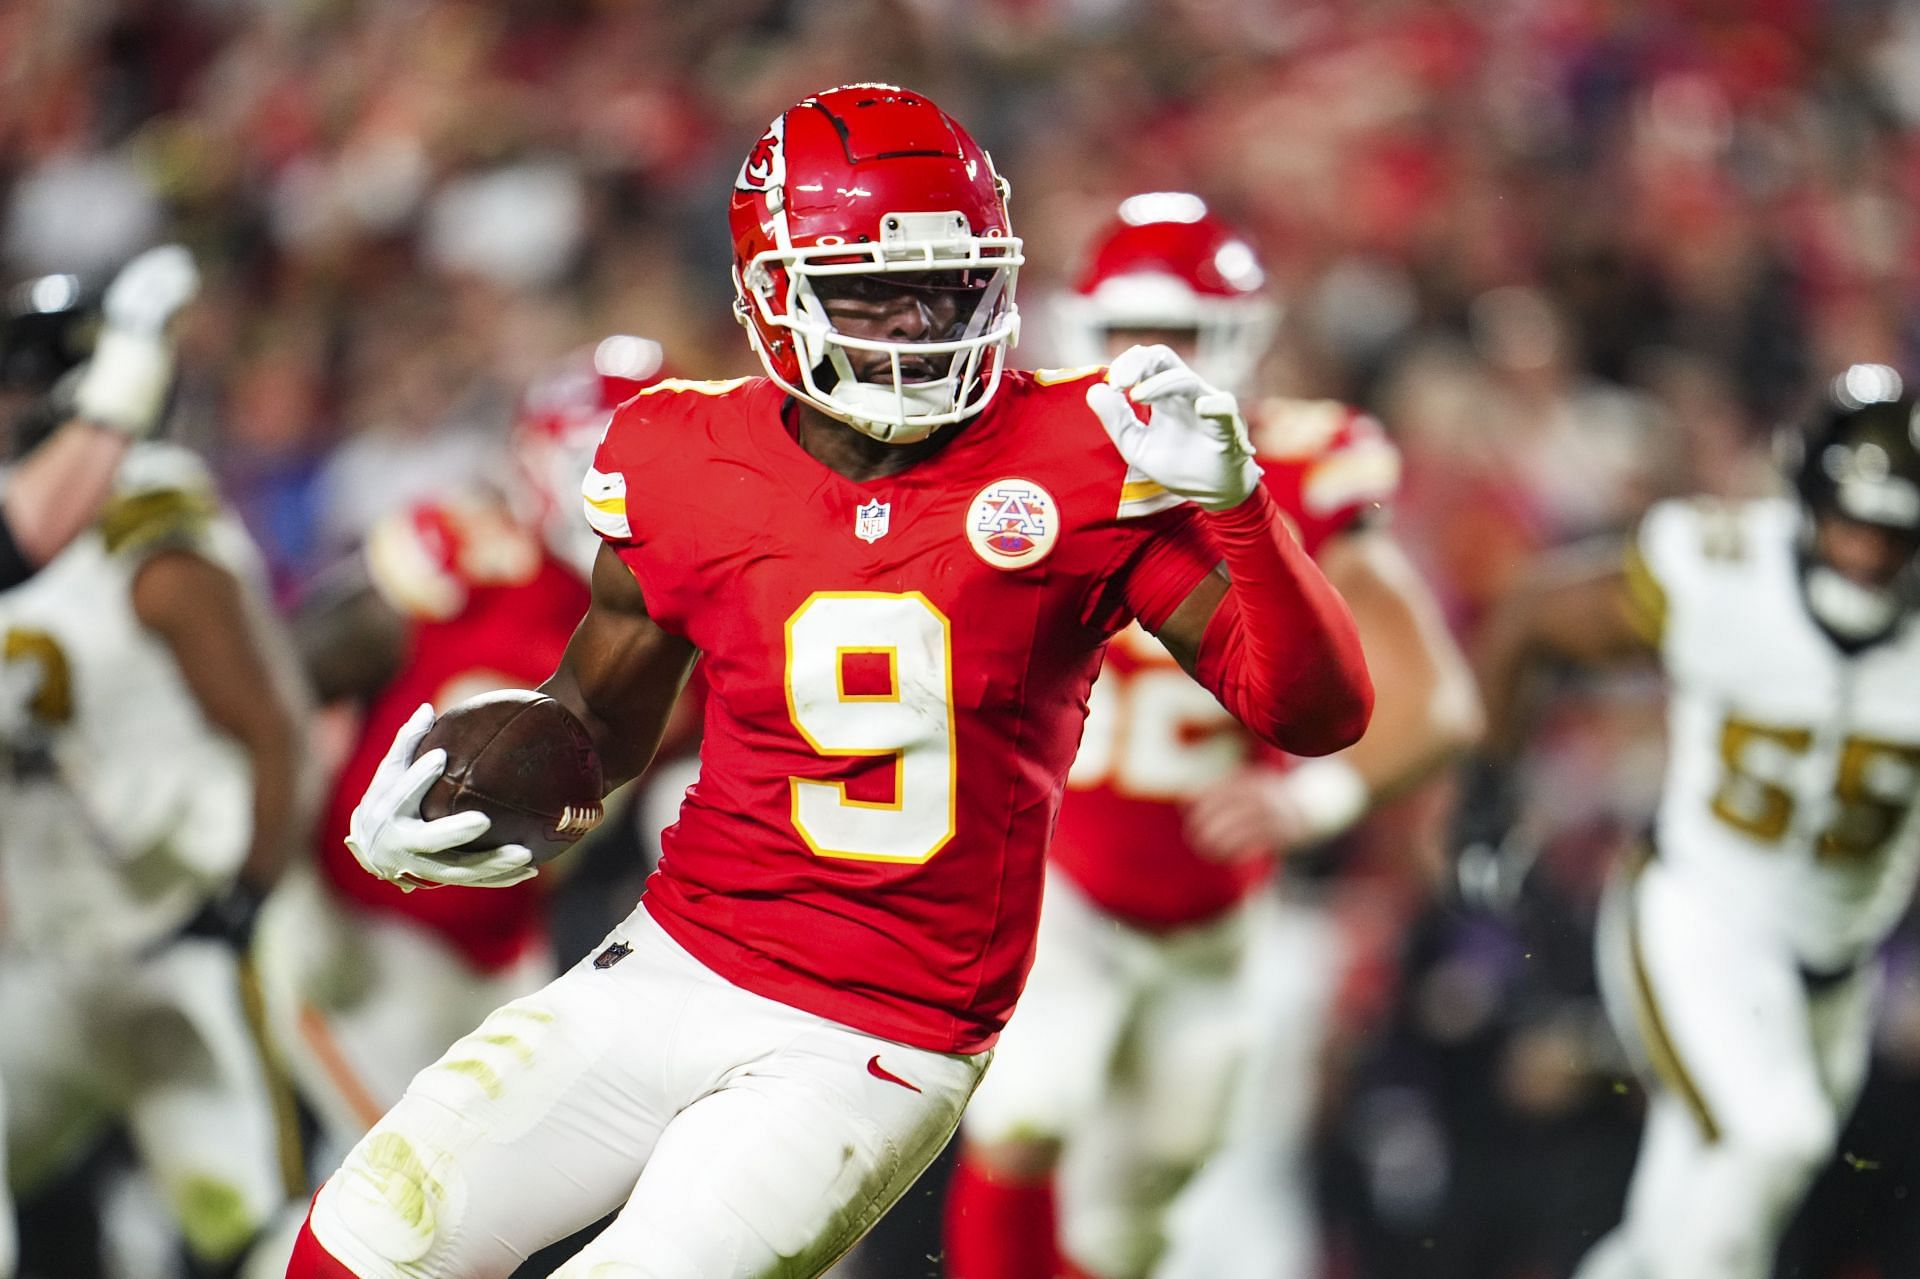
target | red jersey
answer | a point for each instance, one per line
(487, 607)
(897, 672)
(1155, 738)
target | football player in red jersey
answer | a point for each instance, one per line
(899, 563)
(368, 983)
(1172, 1008)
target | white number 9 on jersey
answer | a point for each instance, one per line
(871, 674)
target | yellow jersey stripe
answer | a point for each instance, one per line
(1667, 1063)
(1646, 599)
(161, 516)
(603, 496)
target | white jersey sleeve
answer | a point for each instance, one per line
(1674, 554)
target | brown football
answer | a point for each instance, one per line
(523, 760)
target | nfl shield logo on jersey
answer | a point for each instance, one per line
(1013, 523)
(870, 521)
(613, 954)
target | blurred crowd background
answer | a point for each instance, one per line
(1576, 254)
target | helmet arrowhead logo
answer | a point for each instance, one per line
(765, 166)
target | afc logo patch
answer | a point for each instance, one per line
(1013, 523)
(612, 955)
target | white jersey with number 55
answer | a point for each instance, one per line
(1794, 766)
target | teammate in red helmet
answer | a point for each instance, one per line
(1172, 1021)
(1169, 266)
(899, 562)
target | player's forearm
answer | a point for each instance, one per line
(256, 705)
(273, 748)
(1572, 608)
(1422, 721)
(625, 744)
(1504, 659)
(1281, 652)
(238, 666)
(60, 487)
(120, 394)
(1426, 710)
(621, 673)
(1415, 733)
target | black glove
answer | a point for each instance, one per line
(228, 916)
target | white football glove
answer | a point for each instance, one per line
(388, 836)
(126, 379)
(1193, 443)
(149, 289)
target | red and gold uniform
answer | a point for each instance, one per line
(789, 1025)
(897, 671)
(784, 1033)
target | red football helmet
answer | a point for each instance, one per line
(870, 179)
(563, 414)
(1166, 262)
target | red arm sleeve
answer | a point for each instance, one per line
(1281, 651)
(1161, 570)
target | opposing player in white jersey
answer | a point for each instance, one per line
(1173, 1005)
(150, 735)
(1736, 956)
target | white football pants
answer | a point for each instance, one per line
(162, 1042)
(739, 1138)
(360, 1002)
(1250, 1214)
(1125, 1048)
(1750, 1079)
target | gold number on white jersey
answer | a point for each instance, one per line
(1874, 787)
(1873, 793)
(1747, 800)
(871, 674)
(52, 701)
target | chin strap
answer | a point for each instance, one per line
(1855, 617)
(875, 410)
